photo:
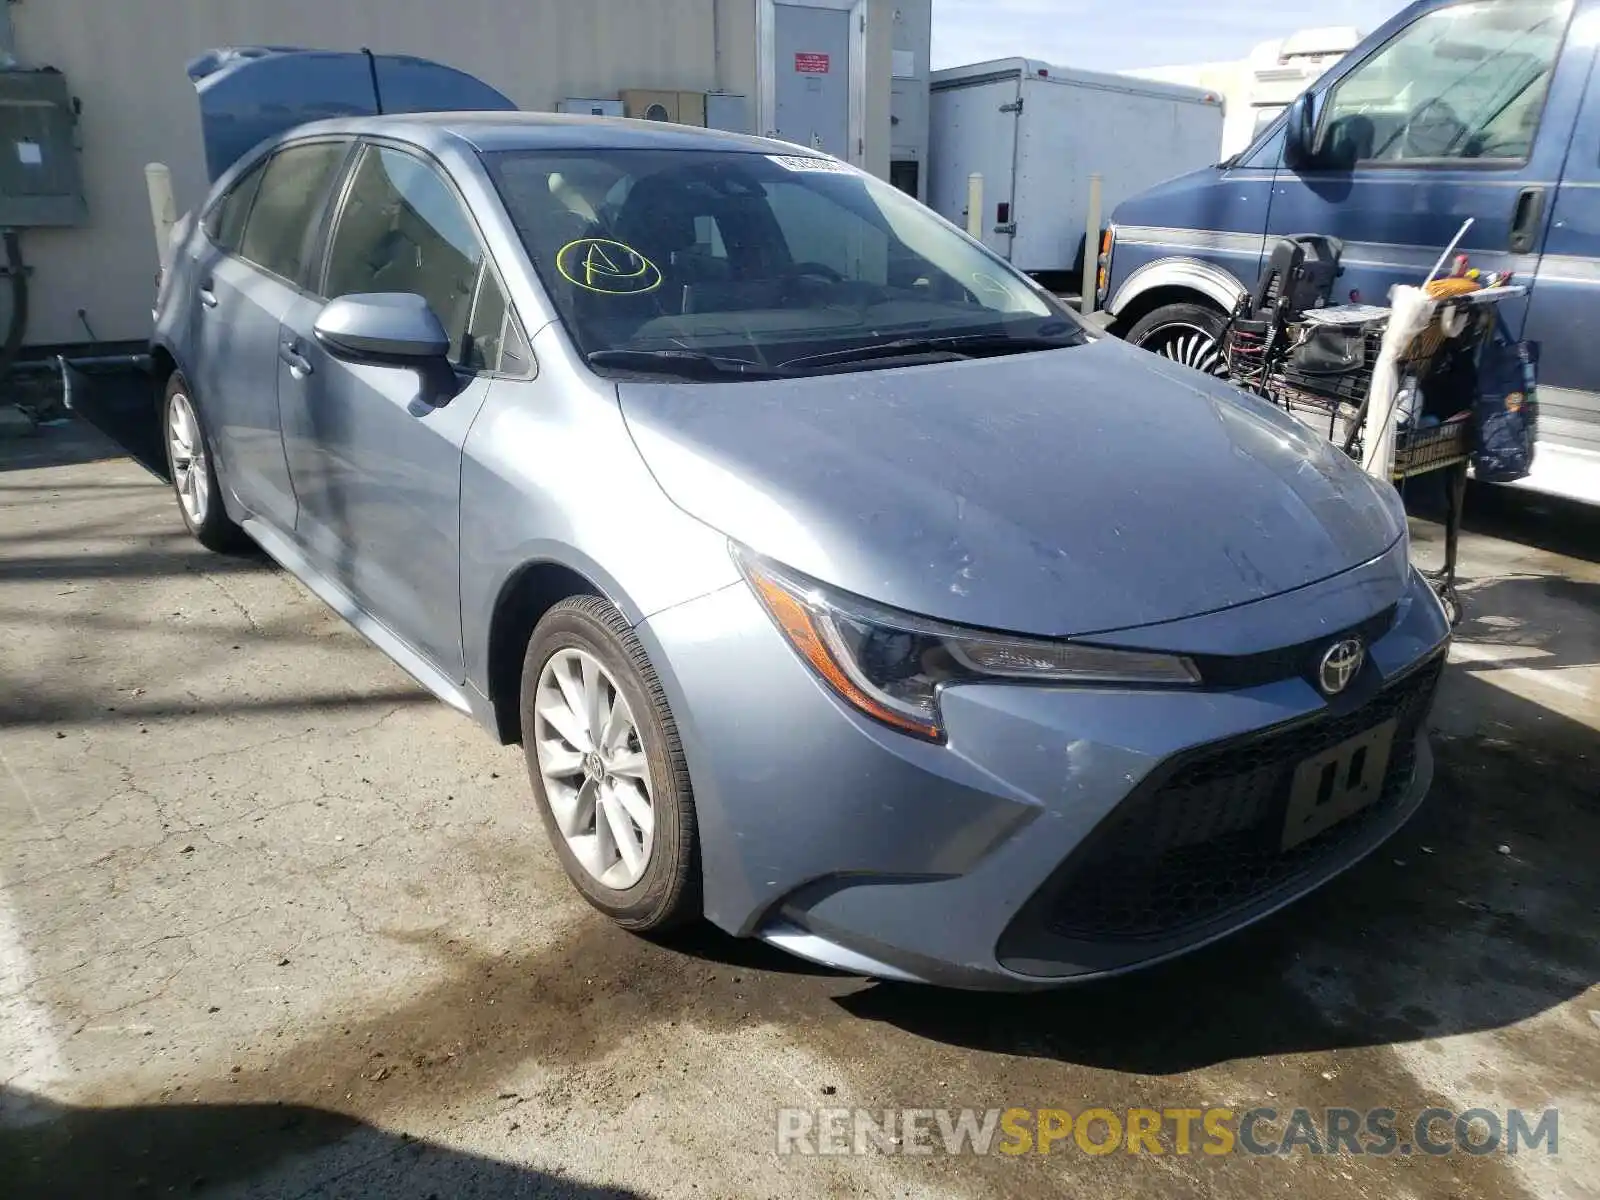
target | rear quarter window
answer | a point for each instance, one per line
(226, 221)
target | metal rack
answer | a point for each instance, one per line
(1341, 405)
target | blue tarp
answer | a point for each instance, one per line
(251, 93)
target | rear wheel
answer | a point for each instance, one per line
(193, 469)
(1187, 333)
(607, 767)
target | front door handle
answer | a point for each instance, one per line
(299, 365)
(207, 293)
(1527, 218)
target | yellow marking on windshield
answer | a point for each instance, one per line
(608, 267)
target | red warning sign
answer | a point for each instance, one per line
(812, 64)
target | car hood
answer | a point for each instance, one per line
(1061, 493)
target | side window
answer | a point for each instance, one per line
(403, 230)
(225, 221)
(279, 231)
(494, 342)
(1268, 154)
(1464, 82)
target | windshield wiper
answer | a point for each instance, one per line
(961, 345)
(684, 362)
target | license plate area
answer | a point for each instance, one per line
(1338, 783)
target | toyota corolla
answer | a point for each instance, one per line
(840, 586)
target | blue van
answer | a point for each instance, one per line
(1488, 109)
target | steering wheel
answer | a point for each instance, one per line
(813, 270)
(1432, 131)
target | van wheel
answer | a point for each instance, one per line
(193, 468)
(607, 767)
(1190, 334)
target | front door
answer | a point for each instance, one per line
(377, 469)
(812, 47)
(1465, 112)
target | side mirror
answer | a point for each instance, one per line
(391, 329)
(1300, 134)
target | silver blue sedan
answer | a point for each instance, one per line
(841, 588)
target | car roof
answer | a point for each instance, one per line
(489, 132)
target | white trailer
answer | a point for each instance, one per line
(1037, 132)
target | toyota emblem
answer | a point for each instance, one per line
(1340, 665)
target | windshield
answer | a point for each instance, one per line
(754, 258)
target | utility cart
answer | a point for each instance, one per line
(1403, 389)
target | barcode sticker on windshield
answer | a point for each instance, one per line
(806, 162)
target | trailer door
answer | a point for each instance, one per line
(975, 130)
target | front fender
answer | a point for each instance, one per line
(550, 474)
(1219, 286)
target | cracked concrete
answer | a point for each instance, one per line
(275, 923)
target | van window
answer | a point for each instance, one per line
(1464, 82)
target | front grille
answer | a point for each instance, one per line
(1251, 670)
(1204, 838)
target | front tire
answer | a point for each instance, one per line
(607, 767)
(193, 469)
(1190, 334)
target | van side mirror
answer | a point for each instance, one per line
(1300, 135)
(393, 329)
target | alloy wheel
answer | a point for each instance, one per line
(1190, 345)
(190, 478)
(594, 770)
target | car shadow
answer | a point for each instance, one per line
(121, 404)
(112, 414)
(49, 1151)
(1549, 523)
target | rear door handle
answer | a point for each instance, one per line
(1527, 218)
(208, 295)
(299, 365)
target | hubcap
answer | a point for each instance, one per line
(1190, 345)
(592, 763)
(188, 453)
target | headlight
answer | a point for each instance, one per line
(892, 665)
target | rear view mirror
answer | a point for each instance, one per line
(391, 329)
(1300, 134)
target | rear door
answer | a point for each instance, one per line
(1464, 111)
(249, 278)
(377, 469)
(1563, 314)
(977, 121)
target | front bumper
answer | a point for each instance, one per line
(1010, 857)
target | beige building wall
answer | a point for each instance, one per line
(125, 60)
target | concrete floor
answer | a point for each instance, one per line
(275, 923)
